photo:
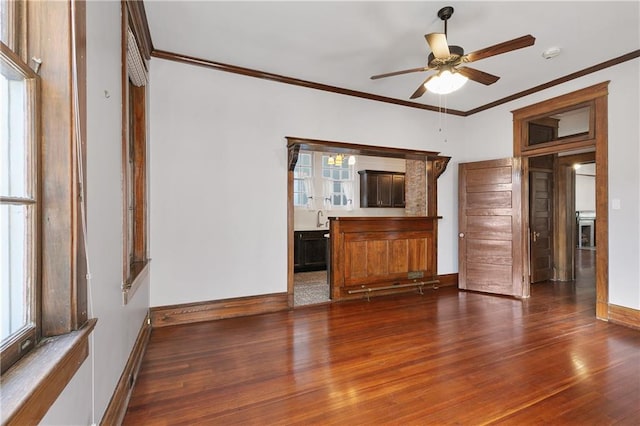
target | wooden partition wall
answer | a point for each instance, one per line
(381, 254)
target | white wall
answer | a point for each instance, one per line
(219, 174)
(492, 138)
(586, 187)
(118, 325)
(208, 125)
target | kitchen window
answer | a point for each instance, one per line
(337, 181)
(303, 179)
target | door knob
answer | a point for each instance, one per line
(461, 235)
(535, 236)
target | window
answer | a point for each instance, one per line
(302, 180)
(572, 126)
(19, 206)
(42, 149)
(134, 150)
(337, 181)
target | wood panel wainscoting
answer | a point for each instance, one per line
(382, 255)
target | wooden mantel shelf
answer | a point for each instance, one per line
(381, 253)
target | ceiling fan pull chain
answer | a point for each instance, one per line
(442, 121)
(445, 118)
(440, 113)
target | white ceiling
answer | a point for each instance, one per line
(342, 44)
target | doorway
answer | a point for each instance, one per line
(562, 209)
(435, 165)
(587, 140)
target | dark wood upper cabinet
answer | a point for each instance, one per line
(381, 189)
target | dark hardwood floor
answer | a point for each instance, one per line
(446, 357)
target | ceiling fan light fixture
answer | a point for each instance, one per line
(445, 82)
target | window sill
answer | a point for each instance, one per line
(31, 386)
(139, 271)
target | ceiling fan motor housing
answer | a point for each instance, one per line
(445, 13)
(456, 53)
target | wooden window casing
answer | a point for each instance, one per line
(134, 153)
(39, 31)
(42, 32)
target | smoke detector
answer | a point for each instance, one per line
(552, 52)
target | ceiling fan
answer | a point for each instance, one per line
(446, 59)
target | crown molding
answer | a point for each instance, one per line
(191, 60)
(598, 67)
(140, 26)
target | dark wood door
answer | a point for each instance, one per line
(490, 227)
(398, 191)
(541, 224)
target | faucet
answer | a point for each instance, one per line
(319, 215)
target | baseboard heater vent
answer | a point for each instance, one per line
(368, 290)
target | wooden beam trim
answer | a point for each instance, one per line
(140, 26)
(177, 57)
(621, 315)
(448, 280)
(602, 207)
(358, 149)
(294, 150)
(584, 157)
(162, 316)
(598, 67)
(581, 98)
(191, 60)
(440, 165)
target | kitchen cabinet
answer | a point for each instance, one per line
(310, 250)
(381, 189)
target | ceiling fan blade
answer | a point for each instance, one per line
(420, 91)
(438, 44)
(507, 46)
(391, 74)
(478, 76)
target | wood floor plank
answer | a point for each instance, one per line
(445, 357)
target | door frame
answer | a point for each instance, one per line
(597, 138)
(435, 165)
